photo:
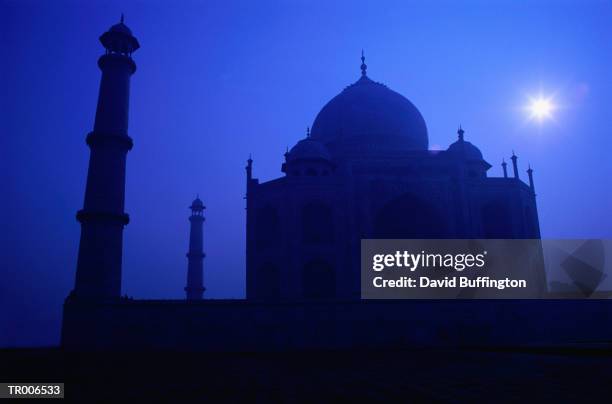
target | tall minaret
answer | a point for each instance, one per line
(102, 218)
(195, 283)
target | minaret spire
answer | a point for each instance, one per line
(195, 277)
(514, 165)
(530, 174)
(364, 67)
(249, 168)
(505, 168)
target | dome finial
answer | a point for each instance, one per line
(122, 18)
(460, 132)
(364, 67)
(308, 131)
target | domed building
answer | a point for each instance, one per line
(366, 171)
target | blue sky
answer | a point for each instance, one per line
(219, 80)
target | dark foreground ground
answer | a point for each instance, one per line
(578, 374)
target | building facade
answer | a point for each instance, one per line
(366, 171)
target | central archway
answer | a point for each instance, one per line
(409, 216)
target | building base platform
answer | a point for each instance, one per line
(246, 326)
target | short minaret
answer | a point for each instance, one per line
(530, 174)
(195, 278)
(505, 168)
(102, 218)
(514, 165)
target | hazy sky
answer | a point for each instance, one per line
(219, 80)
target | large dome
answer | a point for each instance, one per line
(372, 111)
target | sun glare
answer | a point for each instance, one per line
(541, 108)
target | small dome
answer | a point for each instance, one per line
(197, 204)
(308, 149)
(465, 149)
(119, 39)
(121, 28)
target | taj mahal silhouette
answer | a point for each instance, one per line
(364, 171)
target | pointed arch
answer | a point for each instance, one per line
(317, 223)
(409, 216)
(267, 226)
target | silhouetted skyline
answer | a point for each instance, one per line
(216, 82)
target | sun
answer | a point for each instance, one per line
(541, 108)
